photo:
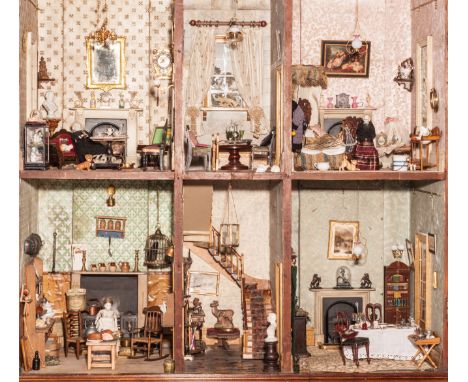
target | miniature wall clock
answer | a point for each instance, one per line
(162, 60)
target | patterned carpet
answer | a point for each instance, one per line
(330, 360)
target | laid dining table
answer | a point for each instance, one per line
(389, 342)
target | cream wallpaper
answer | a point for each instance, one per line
(63, 26)
(382, 209)
(386, 24)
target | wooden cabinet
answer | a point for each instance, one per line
(397, 300)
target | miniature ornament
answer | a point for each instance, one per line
(121, 101)
(271, 330)
(49, 105)
(92, 102)
(315, 283)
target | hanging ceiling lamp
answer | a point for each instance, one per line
(229, 229)
(356, 44)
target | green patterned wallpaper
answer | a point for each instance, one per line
(70, 209)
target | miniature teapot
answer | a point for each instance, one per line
(124, 266)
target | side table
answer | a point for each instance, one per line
(97, 356)
(234, 150)
(223, 335)
(418, 145)
(425, 347)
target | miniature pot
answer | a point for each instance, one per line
(112, 267)
(169, 365)
(93, 267)
(102, 267)
(124, 266)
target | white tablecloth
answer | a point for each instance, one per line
(392, 343)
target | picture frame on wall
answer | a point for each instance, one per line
(339, 62)
(203, 283)
(342, 236)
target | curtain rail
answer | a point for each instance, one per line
(216, 23)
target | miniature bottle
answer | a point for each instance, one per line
(36, 362)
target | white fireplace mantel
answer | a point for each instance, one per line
(322, 293)
(131, 115)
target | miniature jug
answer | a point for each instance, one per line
(93, 267)
(102, 267)
(112, 267)
(124, 266)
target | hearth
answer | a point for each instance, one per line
(331, 306)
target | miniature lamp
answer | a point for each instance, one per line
(397, 251)
(234, 34)
(359, 252)
(111, 192)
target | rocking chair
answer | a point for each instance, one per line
(151, 333)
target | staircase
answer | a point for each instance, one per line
(255, 293)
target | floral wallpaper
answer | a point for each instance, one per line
(70, 209)
(63, 26)
(386, 24)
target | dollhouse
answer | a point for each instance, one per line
(236, 189)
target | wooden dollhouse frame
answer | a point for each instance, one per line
(283, 185)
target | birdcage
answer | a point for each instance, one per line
(159, 251)
(229, 229)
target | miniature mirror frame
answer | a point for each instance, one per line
(105, 64)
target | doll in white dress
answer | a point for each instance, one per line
(106, 319)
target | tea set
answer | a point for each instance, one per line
(111, 267)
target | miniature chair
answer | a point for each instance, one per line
(195, 149)
(151, 333)
(265, 149)
(156, 151)
(371, 312)
(72, 332)
(348, 338)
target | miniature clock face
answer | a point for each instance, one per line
(163, 59)
(381, 139)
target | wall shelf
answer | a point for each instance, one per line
(368, 175)
(134, 174)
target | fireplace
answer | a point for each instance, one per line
(128, 289)
(361, 296)
(331, 306)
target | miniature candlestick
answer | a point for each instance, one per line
(83, 261)
(135, 268)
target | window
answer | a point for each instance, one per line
(223, 92)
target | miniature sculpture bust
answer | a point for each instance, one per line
(271, 330)
(49, 105)
(106, 319)
(223, 316)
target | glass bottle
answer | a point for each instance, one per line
(36, 362)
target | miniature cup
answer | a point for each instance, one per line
(322, 166)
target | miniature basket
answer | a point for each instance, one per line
(76, 300)
(311, 157)
(335, 156)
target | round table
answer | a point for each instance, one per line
(234, 150)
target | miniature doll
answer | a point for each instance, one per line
(107, 317)
(365, 151)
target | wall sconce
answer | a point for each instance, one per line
(397, 251)
(111, 192)
(405, 74)
(359, 255)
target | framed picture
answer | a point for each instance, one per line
(342, 236)
(432, 243)
(338, 62)
(410, 252)
(204, 283)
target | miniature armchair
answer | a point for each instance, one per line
(196, 149)
(265, 150)
(154, 153)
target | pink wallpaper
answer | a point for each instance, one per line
(386, 24)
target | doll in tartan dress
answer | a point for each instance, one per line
(365, 151)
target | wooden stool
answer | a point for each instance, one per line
(425, 347)
(101, 360)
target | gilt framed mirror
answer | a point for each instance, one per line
(105, 63)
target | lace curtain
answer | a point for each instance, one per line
(247, 67)
(199, 72)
